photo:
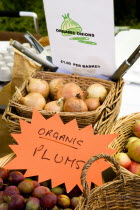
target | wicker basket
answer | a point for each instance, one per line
(123, 127)
(100, 118)
(119, 194)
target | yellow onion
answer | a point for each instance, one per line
(38, 85)
(97, 91)
(69, 90)
(92, 103)
(75, 104)
(55, 106)
(54, 85)
(34, 100)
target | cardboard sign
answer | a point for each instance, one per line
(81, 35)
(57, 151)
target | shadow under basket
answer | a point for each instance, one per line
(123, 127)
(101, 119)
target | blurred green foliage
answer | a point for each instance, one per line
(23, 24)
(126, 14)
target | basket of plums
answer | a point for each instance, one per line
(20, 193)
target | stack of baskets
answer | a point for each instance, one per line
(101, 119)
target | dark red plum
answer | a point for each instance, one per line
(10, 190)
(48, 200)
(67, 209)
(1, 183)
(16, 202)
(4, 206)
(74, 202)
(33, 204)
(63, 201)
(39, 191)
(4, 174)
(15, 177)
(36, 184)
(55, 208)
(58, 190)
(26, 186)
(1, 197)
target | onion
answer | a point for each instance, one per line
(34, 100)
(97, 91)
(54, 85)
(92, 103)
(38, 85)
(55, 106)
(75, 104)
(69, 90)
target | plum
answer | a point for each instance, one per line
(39, 191)
(129, 141)
(33, 204)
(1, 183)
(74, 202)
(134, 151)
(36, 184)
(63, 201)
(1, 197)
(4, 174)
(26, 186)
(123, 159)
(10, 190)
(58, 190)
(55, 208)
(67, 209)
(136, 128)
(15, 177)
(16, 202)
(4, 206)
(46, 183)
(48, 200)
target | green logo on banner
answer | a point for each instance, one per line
(70, 27)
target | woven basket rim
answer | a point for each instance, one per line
(14, 101)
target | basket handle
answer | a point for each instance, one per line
(108, 158)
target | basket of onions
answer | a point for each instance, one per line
(88, 100)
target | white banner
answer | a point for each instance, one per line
(81, 34)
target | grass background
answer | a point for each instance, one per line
(126, 14)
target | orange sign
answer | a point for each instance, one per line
(57, 151)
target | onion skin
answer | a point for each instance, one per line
(54, 86)
(97, 91)
(39, 86)
(69, 90)
(55, 106)
(75, 104)
(92, 103)
(34, 100)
